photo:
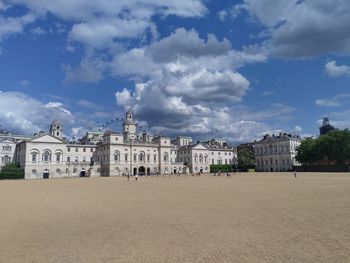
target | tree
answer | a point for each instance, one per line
(246, 159)
(11, 171)
(329, 148)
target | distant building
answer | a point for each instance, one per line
(8, 143)
(326, 126)
(276, 153)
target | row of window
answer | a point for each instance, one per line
(46, 157)
(272, 162)
(7, 148)
(77, 149)
(273, 149)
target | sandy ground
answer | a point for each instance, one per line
(245, 218)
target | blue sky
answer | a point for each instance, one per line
(231, 69)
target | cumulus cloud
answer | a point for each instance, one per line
(183, 84)
(333, 70)
(14, 25)
(90, 70)
(30, 115)
(299, 29)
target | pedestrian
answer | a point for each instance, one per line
(295, 174)
(136, 177)
(128, 176)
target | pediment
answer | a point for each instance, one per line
(47, 138)
(199, 147)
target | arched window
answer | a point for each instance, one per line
(58, 157)
(34, 172)
(116, 171)
(206, 158)
(155, 158)
(34, 157)
(201, 158)
(135, 158)
(195, 158)
(142, 157)
(166, 157)
(126, 157)
(75, 171)
(47, 156)
(117, 156)
(148, 158)
(6, 159)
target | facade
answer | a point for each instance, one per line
(49, 155)
(7, 147)
(276, 153)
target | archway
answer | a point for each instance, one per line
(82, 172)
(175, 172)
(142, 170)
(46, 174)
(148, 171)
(135, 171)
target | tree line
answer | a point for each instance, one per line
(329, 149)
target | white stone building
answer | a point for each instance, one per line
(7, 147)
(116, 154)
(276, 153)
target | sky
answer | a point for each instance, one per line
(233, 69)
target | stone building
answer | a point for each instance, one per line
(49, 155)
(276, 153)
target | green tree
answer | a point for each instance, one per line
(11, 171)
(246, 159)
(332, 147)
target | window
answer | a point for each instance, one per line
(166, 157)
(58, 157)
(91, 150)
(135, 157)
(68, 159)
(142, 157)
(117, 156)
(34, 157)
(84, 149)
(76, 149)
(195, 158)
(46, 156)
(126, 157)
(201, 158)
(148, 158)
(155, 158)
(6, 148)
(6, 159)
(68, 149)
(34, 172)
(76, 159)
(84, 159)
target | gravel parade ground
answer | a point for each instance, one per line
(250, 217)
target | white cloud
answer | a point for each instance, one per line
(327, 103)
(183, 82)
(336, 101)
(38, 31)
(222, 15)
(30, 115)
(90, 70)
(333, 70)
(14, 25)
(299, 29)
(24, 83)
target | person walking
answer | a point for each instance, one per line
(295, 174)
(128, 176)
(136, 175)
